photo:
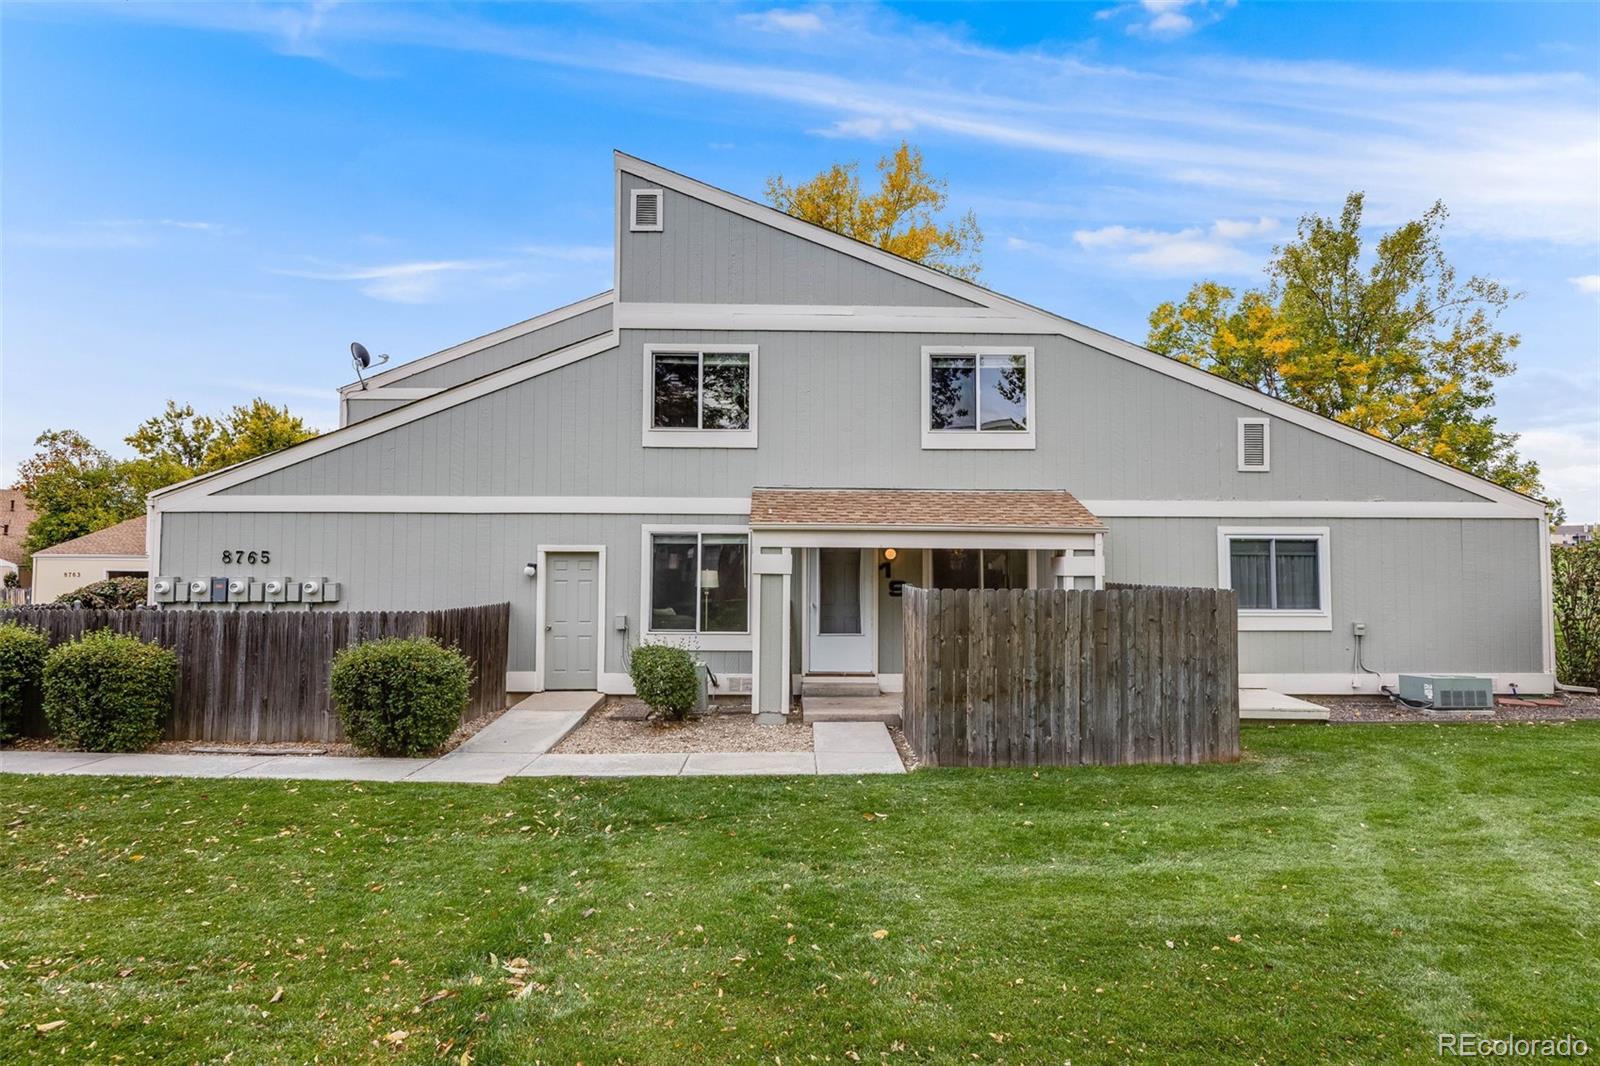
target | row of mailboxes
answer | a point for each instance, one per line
(245, 590)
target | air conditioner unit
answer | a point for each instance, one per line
(1444, 692)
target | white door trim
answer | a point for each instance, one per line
(869, 608)
(598, 550)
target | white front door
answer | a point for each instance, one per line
(841, 608)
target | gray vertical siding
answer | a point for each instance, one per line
(705, 254)
(771, 650)
(1107, 429)
(511, 352)
(361, 407)
(1436, 594)
(414, 561)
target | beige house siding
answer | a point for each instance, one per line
(56, 575)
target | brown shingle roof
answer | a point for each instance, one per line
(920, 509)
(124, 538)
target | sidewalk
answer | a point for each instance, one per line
(517, 744)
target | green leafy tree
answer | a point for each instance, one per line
(901, 216)
(75, 488)
(1395, 344)
(178, 440)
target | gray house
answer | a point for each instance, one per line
(765, 429)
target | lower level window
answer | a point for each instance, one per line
(1280, 575)
(699, 583)
(979, 568)
(1275, 573)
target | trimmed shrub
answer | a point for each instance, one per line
(22, 653)
(114, 593)
(108, 692)
(1575, 585)
(666, 678)
(400, 695)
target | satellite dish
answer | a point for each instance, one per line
(362, 360)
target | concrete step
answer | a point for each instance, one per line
(838, 685)
(883, 708)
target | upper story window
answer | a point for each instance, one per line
(700, 397)
(977, 397)
(1281, 576)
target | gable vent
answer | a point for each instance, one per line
(1254, 444)
(646, 211)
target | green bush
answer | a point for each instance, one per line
(108, 692)
(110, 594)
(22, 654)
(400, 696)
(666, 678)
(1575, 585)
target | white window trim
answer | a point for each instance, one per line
(657, 437)
(976, 439)
(694, 639)
(1282, 621)
(1266, 445)
(633, 210)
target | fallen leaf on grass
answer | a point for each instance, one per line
(276, 996)
(443, 993)
(880, 934)
(50, 1027)
(396, 1038)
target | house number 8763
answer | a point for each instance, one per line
(240, 555)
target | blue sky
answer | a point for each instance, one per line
(209, 201)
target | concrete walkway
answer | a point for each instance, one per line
(517, 744)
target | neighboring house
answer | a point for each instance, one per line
(766, 427)
(1567, 536)
(15, 517)
(115, 551)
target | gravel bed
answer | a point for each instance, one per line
(730, 727)
(1357, 709)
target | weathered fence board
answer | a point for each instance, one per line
(1041, 677)
(250, 677)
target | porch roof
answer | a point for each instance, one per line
(998, 510)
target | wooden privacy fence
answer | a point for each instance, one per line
(262, 676)
(1051, 677)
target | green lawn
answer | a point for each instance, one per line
(1343, 893)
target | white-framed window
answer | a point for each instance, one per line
(977, 397)
(978, 568)
(1255, 444)
(1282, 575)
(700, 396)
(697, 585)
(645, 211)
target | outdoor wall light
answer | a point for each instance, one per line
(889, 554)
(530, 569)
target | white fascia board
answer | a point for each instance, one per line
(1309, 509)
(251, 469)
(393, 392)
(831, 318)
(478, 344)
(332, 504)
(1066, 327)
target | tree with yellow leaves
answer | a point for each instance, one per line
(1397, 347)
(900, 217)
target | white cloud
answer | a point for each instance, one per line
(1181, 252)
(414, 282)
(780, 20)
(1569, 464)
(1165, 19)
(1587, 283)
(112, 234)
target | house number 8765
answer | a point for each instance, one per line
(240, 555)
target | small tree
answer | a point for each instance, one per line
(1575, 588)
(666, 678)
(22, 654)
